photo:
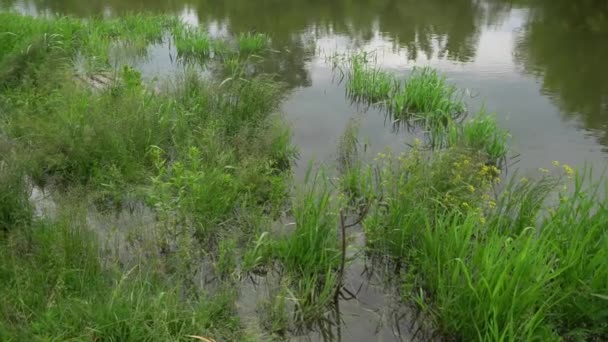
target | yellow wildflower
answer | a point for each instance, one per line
(543, 170)
(482, 220)
(465, 205)
(555, 163)
(568, 170)
(524, 180)
(491, 204)
(471, 188)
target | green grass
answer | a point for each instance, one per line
(251, 43)
(523, 260)
(481, 134)
(369, 84)
(192, 43)
(15, 208)
(56, 286)
(427, 96)
(424, 99)
(520, 264)
(210, 157)
(309, 258)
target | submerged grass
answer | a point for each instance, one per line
(368, 84)
(425, 99)
(309, 258)
(427, 96)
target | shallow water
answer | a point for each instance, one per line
(540, 65)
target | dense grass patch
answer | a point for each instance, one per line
(210, 156)
(15, 208)
(55, 286)
(249, 43)
(369, 84)
(493, 266)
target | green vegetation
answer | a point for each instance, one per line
(518, 268)
(486, 258)
(15, 208)
(368, 84)
(424, 98)
(55, 285)
(427, 96)
(481, 134)
(210, 157)
(252, 42)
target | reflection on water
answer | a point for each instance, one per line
(566, 46)
(539, 64)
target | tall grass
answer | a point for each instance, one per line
(250, 43)
(482, 134)
(518, 265)
(424, 99)
(209, 155)
(15, 208)
(309, 258)
(368, 84)
(427, 96)
(55, 286)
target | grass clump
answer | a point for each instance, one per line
(368, 84)
(487, 265)
(425, 99)
(192, 43)
(250, 43)
(309, 258)
(428, 97)
(482, 134)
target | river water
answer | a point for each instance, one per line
(540, 65)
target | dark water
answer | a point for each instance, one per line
(541, 65)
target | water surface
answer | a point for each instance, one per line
(540, 65)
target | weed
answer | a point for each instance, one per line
(15, 208)
(369, 84)
(481, 134)
(250, 43)
(426, 96)
(53, 284)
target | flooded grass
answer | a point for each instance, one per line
(482, 134)
(250, 43)
(369, 84)
(211, 160)
(424, 99)
(490, 264)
